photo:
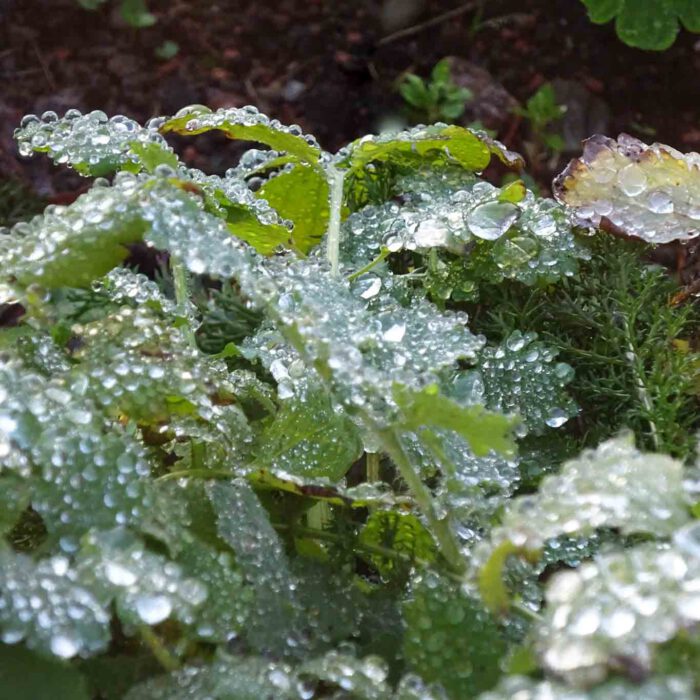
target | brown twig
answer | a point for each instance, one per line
(44, 67)
(438, 19)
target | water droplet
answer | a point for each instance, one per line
(153, 609)
(491, 220)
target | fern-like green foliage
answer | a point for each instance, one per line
(303, 460)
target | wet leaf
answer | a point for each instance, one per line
(300, 195)
(50, 608)
(615, 485)
(93, 144)
(648, 192)
(400, 533)
(309, 438)
(25, 676)
(450, 638)
(524, 688)
(247, 124)
(620, 605)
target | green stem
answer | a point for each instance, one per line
(158, 649)
(182, 294)
(639, 375)
(197, 474)
(363, 270)
(319, 515)
(440, 527)
(372, 460)
(336, 205)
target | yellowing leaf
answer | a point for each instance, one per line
(650, 192)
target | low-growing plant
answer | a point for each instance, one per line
(437, 99)
(134, 12)
(542, 111)
(646, 24)
(291, 466)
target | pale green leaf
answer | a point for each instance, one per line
(300, 195)
(247, 124)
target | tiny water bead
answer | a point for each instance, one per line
(650, 192)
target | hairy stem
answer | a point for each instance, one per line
(182, 297)
(358, 273)
(158, 649)
(638, 369)
(440, 527)
(336, 204)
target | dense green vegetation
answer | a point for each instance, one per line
(377, 428)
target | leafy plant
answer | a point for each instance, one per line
(291, 466)
(542, 111)
(134, 12)
(437, 99)
(651, 24)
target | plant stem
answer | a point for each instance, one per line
(358, 273)
(336, 204)
(638, 369)
(197, 474)
(372, 466)
(440, 527)
(158, 649)
(182, 297)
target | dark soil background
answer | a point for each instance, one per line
(328, 66)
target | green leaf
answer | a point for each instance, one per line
(300, 195)
(414, 91)
(483, 430)
(146, 587)
(246, 124)
(689, 13)
(309, 438)
(614, 486)
(438, 145)
(93, 144)
(244, 525)
(24, 676)
(76, 245)
(646, 24)
(450, 638)
(225, 678)
(85, 472)
(65, 617)
(602, 11)
(620, 605)
(441, 71)
(135, 13)
(520, 376)
(402, 533)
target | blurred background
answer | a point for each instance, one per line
(535, 73)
